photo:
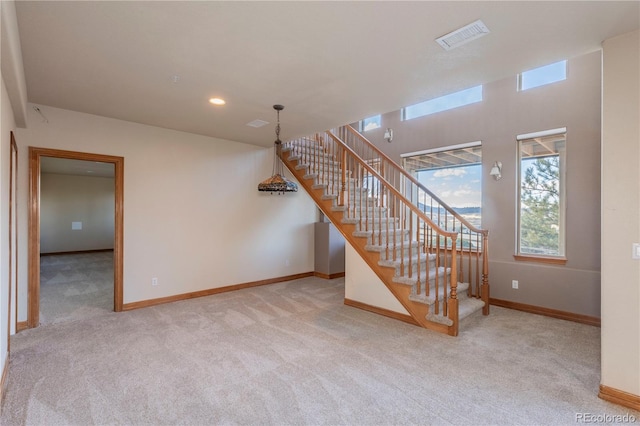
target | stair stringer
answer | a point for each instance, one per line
(401, 292)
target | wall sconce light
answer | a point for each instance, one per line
(496, 170)
(388, 134)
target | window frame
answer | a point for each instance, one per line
(561, 257)
(444, 150)
(460, 103)
(521, 76)
(362, 125)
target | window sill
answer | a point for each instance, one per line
(541, 259)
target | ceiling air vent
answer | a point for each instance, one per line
(463, 35)
(257, 123)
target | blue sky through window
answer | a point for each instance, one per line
(443, 103)
(371, 123)
(543, 75)
(456, 186)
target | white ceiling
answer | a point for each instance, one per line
(329, 63)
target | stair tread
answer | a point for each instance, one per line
(406, 260)
(398, 246)
(466, 307)
(323, 177)
(376, 232)
(461, 290)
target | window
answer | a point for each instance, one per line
(370, 123)
(443, 103)
(454, 174)
(541, 194)
(543, 75)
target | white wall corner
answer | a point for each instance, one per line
(11, 62)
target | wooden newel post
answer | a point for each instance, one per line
(452, 304)
(484, 289)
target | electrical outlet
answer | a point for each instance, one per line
(154, 281)
(514, 284)
(286, 262)
(636, 251)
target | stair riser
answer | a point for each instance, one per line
(421, 267)
(326, 164)
(350, 183)
(382, 239)
(382, 228)
(461, 295)
(416, 266)
(461, 292)
(311, 150)
(374, 214)
(311, 158)
(357, 203)
(323, 173)
(376, 226)
(308, 149)
(353, 206)
(400, 251)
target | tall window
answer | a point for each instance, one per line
(443, 103)
(541, 201)
(370, 123)
(454, 174)
(543, 75)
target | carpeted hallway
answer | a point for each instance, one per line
(292, 353)
(75, 286)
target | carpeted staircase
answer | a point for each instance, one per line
(361, 204)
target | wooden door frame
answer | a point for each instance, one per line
(13, 238)
(35, 155)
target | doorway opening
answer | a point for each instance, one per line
(42, 157)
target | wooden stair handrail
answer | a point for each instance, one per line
(482, 235)
(451, 234)
(445, 306)
(415, 181)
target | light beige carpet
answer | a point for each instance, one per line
(293, 354)
(75, 286)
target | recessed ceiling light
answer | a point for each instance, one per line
(257, 123)
(217, 101)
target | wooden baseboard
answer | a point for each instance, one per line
(619, 397)
(381, 311)
(56, 253)
(211, 291)
(554, 313)
(21, 325)
(328, 276)
(3, 379)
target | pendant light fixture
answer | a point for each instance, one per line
(277, 183)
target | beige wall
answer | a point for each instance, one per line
(193, 216)
(363, 285)
(329, 249)
(621, 213)
(65, 199)
(7, 124)
(504, 114)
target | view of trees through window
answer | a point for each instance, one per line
(541, 212)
